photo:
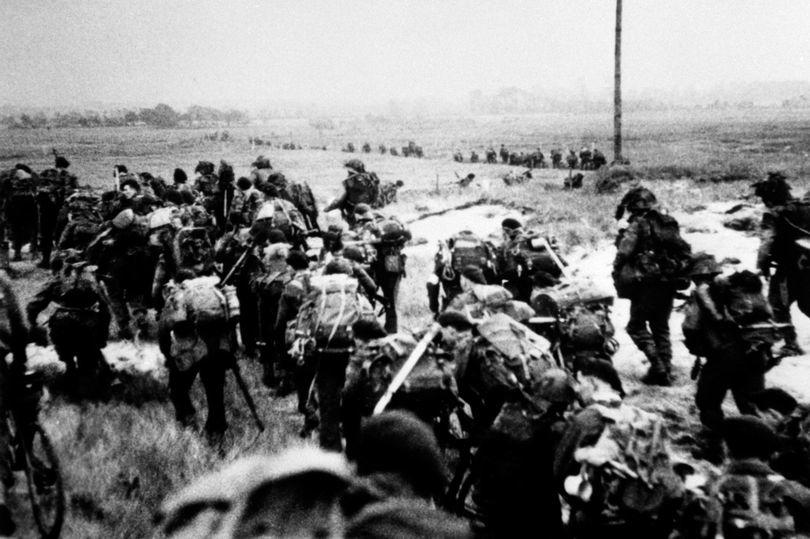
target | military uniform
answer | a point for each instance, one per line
(785, 220)
(55, 186)
(79, 327)
(640, 251)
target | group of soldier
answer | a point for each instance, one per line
(588, 158)
(514, 375)
(411, 150)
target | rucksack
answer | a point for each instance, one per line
(531, 253)
(628, 466)
(282, 215)
(330, 309)
(304, 200)
(751, 506)
(192, 248)
(673, 254)
(588, 328)
(467, 249)
(205, 303)
(362, 188)
(524, 353)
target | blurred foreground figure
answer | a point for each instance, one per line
(302, 492)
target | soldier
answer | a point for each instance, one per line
(55, 186)
(598, 159)
(261, 171)
(556, 158)
(473, 157)
(246, 203)
(333, 305)
(383, 149)
(585, 158)
(79, 327)
(504, 153)
(736, 359)
(571, 159)
(389, 237)
(192, 344)
(650, 264)
(492, 155)
(21, 209)
(779, 257)
(291, 300)
(524, 261)
(268, 288)
(749, 499)
(366, 148)
(360, 187)
(125, 270)
(84, 221)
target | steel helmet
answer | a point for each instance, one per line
(355, 165)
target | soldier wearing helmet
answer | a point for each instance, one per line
(779, 257)
(359, 187)
(651, 259)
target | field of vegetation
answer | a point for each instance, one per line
(121, 458)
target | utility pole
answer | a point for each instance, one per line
(617, 88)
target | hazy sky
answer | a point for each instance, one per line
(72, 52)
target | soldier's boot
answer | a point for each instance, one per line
(791, 346)
(658, 373)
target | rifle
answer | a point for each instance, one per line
(237, 265)
(406, 368)
(237, 373)
(554, 257)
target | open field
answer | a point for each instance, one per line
(121, 458)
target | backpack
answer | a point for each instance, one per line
(532, 253)
(467, 249)
(205, 303)
(518, 349)
(362, 188)
(673, 254)
(192, 248)
(284, 216)
(588, 328)
(628, 465)
(750, 506)
(303, 199)
(330, 309)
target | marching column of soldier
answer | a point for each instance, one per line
(514, 376)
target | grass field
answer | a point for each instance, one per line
(120, 459)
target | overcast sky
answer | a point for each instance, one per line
(73, 52)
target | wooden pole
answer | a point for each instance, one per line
(617, 88)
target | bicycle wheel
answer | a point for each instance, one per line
(45, 487)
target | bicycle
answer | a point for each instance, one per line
(32, 452)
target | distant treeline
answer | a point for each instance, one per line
(159, 116)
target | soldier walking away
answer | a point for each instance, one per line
(650, 265)
(196, 335)
(324, 323)
(783, 256)
(55, 186)
(79, 327)
(360, 187)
